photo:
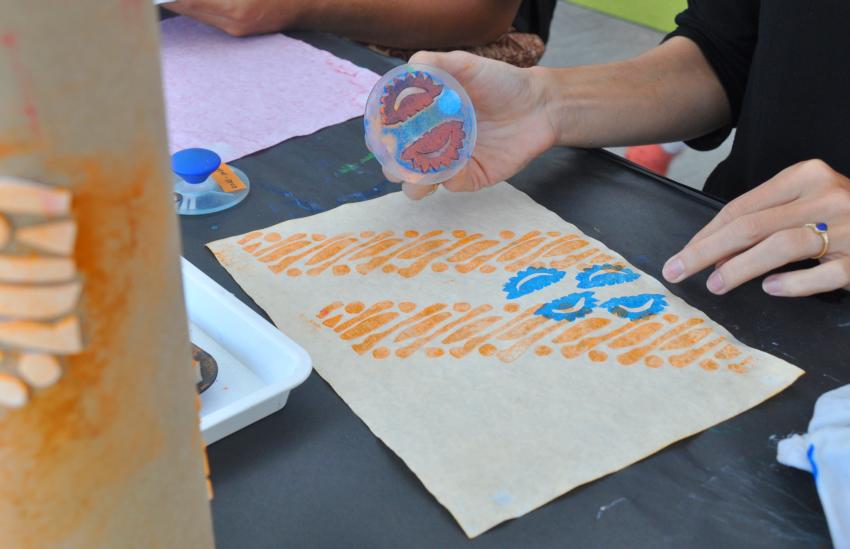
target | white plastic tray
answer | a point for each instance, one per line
(257, 364)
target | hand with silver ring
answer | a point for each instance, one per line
(802, 212)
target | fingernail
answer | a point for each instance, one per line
(715, 283)
(673, 269)
(772, 285)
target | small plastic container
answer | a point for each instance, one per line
(203, 184)
(420, 124)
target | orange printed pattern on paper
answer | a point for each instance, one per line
(410, 253)
(454, 330)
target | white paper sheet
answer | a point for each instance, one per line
(502, 354)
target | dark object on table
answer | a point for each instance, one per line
(209, 367)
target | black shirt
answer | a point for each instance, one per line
(785, 66)
(535, 16)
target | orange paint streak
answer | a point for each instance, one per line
(728, 352)
(686, 358)
(581, 329)
(251, 247)
(371, 323)
(423, 326)
(636, 354)
(568, 262)
(411, 234)
(381, 352)
(341, 270)
(478, 340)
(413, 347)
(524, 328)
(373, 339)
(671, 318)
(507, 235)
(293, 272)
(376, 248)
(388, 269)
(597, 356)
(332, 307)
(461, 307)
(249, 237)
(487, 350)
(459, 233)
(709, 365)
(636, 336)
(272, 237)
(572, 351)
(555, 233)
(376, 308)
(567, 243)
(487, 269)
(543, 350)
(377, 261)
(439, 267)
(741, 367)
(367, 234)
(518, 349)
(434, 352)
(283, 264)
(355, 307)
(279, 243)
(417, 267)
(318, 237)
(472, 250)
(333, 321)
(329, 251)
(282, 249)
(477, 261)
(406, 306)
(422, 248)
(511, 307)
(471, 329)
(522, 246)
(688, 339)
(653, 361)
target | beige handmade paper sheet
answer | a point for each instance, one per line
(504, 355)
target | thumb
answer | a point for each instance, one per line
(460, 64)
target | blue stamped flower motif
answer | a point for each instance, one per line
(605, 275)
(635, 307)
(571, 307)
(530, 280)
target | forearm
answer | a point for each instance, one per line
(669, 93)
(419, 24)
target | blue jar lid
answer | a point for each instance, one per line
(195, 165)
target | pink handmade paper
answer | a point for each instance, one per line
(240, 95)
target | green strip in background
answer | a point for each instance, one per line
(656, 14)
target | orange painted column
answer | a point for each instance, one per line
(99, 437)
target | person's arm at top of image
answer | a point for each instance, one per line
(410, 24)
(670, 93)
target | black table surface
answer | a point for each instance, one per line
(313, 475)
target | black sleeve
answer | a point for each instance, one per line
(535, 16)
(726, 31)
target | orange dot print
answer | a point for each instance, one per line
(388, 268)
(411, 234)
(434, 352)
(318, 237)
(354, 307)
(439, 267)
(293, 272)
(487, 269)
(461, 307)
(459, 233)
(507, 235)
(272, 237)
(381, 352)
(406, 306)
(340, 270)
(597, 356)
(709, 365)
(653, 361)
(543, 350)
(487, 349)
(511, 307)
(367, 234)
